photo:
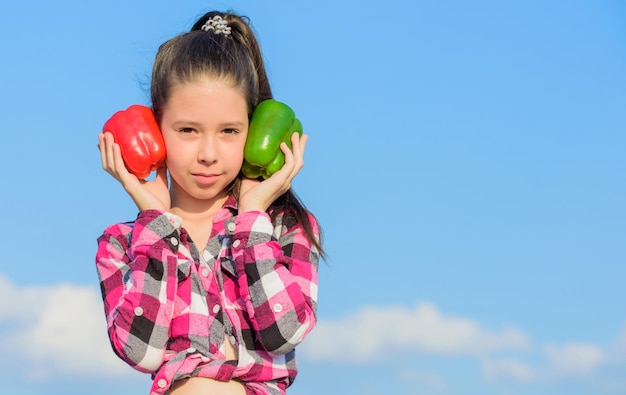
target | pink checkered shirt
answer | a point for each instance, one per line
(169, 306)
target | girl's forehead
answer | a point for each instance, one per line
(207, 83)
(206, 99)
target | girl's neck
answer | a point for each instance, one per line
(196, 210)
(197, 215)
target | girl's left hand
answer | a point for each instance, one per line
(258, 195)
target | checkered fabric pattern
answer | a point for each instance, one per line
(169, 306)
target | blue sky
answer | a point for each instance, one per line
(466, 160)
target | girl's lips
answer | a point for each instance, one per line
(205, 179)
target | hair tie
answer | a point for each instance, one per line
(217, 25)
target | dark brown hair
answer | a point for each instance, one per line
(235, 58)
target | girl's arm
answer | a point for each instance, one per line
(277, 278)
(137, 267)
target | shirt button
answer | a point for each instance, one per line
(191, 350)
(278, 307)
(174, 241)
(231, 226)
(162, 383)
(236, 243)
(138, 310)
(216, 308)
(205, 272)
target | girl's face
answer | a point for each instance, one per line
(204, 125)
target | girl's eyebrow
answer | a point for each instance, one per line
(195, 124)
(185, 122)
(237, 124)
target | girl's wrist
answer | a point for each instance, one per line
(245, 207)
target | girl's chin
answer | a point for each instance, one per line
(201, 188)
(208, 193)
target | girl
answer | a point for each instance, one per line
(214, 284)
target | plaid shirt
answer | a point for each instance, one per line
(169, 306)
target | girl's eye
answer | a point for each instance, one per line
(186, 130)
(231, 131)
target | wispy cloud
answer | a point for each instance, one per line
(574, 358)
(508, 369)
(375, 334)
(552, 363)
(59, 330)
(375, 331)
(55, 330)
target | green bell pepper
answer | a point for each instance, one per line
(272, 123)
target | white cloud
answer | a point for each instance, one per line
(375, 332)
(508, 368)
(568, 360)
(60, 330)
(574, 358)
(382, 333)
(56, 329)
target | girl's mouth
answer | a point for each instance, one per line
(205, 179)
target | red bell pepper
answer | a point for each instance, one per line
(139, 137)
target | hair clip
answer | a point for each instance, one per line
(217, 25)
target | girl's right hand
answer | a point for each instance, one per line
(147, 195)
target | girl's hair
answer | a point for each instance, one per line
(234, 58)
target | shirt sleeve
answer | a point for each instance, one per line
(137, 267)
(278, 277)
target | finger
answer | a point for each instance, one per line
(293, 162)
(119, 167)
(289, 164)
(298, 148)
(297, 152)
(116, 157)
(108, 162)
(303, 140)
(102, 149)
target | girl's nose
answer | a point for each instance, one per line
(207, 149)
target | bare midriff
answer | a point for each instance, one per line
(207, 386)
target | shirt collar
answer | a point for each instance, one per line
(228, 209)
(231, 203)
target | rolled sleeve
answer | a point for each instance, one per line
(277, 270)
(137, 265)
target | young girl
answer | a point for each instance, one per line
(214, 284)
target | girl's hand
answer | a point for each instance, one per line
(146, 194)
(257, 195)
